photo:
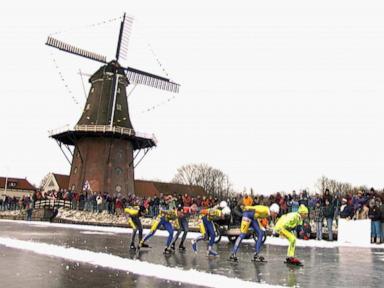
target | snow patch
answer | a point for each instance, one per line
(134, 266)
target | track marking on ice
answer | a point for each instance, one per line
(134, 266)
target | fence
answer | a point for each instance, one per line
(51, 203)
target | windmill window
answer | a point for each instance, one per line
(118, 171)
(73, 187)
(75, 170)
(88, 107)
(118, 90)
(118, 188)
(93, 89)
(51, 184)
(118, 107)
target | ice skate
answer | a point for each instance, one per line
(167, 251)
(293, 261)
(233, 258)
(182, 248)
(143, 245)
(173, 247)
(257, 258)
(194, 246)
(211, 252)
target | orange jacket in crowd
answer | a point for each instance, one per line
(247, 201)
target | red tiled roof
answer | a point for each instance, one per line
(152, 188)
(62, 180)
(144, 188)
(21, 184)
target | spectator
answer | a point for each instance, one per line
(362, 213)
(346, 209)
(318, 216)
(118, 206)
(295, 204)
(374, 215)
(327, 196)
(237, 214)
(99, 203)
(180, 201)
(187, 200)
(329, 213)
(247, 200)
(205, 203)
(382, 218)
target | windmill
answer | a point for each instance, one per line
(104, 140)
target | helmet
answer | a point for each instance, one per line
(226, 211)
(223, 204)
(302, 209)
(274, 208)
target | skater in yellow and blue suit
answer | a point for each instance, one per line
(163, 219)
(206, 225)
(251, 218)
(287, 223)
(134, 214)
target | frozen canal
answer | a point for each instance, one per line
(324, 267)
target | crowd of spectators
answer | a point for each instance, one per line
(325, 209)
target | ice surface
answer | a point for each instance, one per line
(192, 235)
(138, 267)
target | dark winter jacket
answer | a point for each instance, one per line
(329, 211)
(374, 213)
(237, 214)
(347, 211)
(382, 212)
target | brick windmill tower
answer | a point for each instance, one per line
(104, 140)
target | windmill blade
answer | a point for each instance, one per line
(141, 77)
(74, 50)
(124, 35)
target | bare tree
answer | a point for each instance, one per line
(213, 181)
(44, 180)
(322, 184)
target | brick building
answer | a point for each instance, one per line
(15, 187)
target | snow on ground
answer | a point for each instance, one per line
(134, 266)
(192, 235)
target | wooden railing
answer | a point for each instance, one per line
(104, 129)
(53, 203)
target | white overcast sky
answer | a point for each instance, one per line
(274, 93)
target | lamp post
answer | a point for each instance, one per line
(6, 180)
(6, 184)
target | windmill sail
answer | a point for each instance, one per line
(134, 75)
(141, 77)
(124, 35)
(75, 50)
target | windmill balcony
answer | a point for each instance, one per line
(100, 129)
